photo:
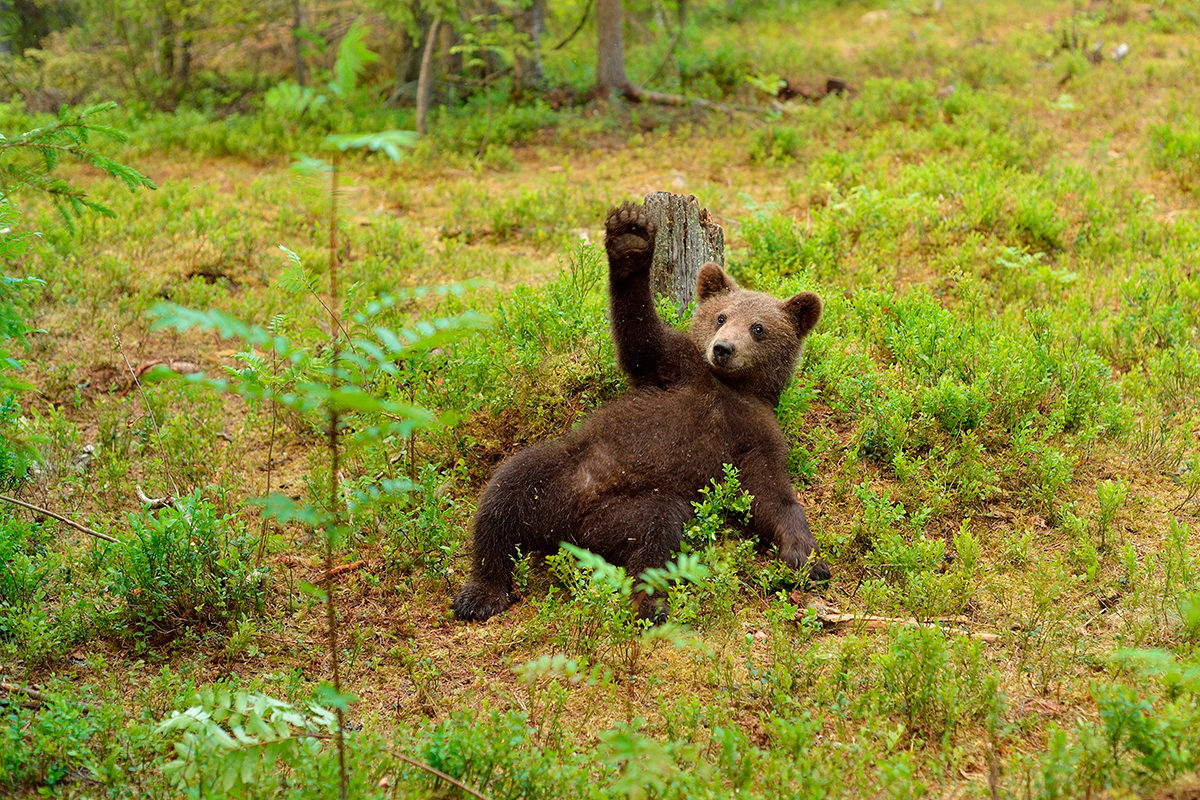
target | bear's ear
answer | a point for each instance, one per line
(712, 281)
(804, 310)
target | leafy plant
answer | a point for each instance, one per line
(934, 682)
(353, 57)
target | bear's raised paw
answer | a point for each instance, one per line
(629, 238)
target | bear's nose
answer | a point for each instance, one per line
(722, 352)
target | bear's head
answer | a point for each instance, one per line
(749, 339)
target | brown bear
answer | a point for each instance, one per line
(623, 483)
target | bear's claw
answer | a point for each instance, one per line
(629, 232)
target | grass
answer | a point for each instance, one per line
(995, 425)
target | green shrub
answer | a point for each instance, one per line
(181, 567)
(39, 615)
(424, 530)
(49, 746)
(494, 753)
(721, 504)
(777, 145)
(934, 682)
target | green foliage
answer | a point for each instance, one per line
(20, 576)
(1145, 735)
(494, 753)
(50, 747)
(602, 616)
(777, 145)
(231, 740)
(1111, 495)
(721, 504)
(425, 532)
(14, 329)
(184, 566)
(361, 387)
(933, 682)
(1177, 148)
(352, 59)
(29, 624)
(27, 162)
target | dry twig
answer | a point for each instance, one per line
(154, 502)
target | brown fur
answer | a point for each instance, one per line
(622, 485)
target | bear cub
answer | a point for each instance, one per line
(622, 484)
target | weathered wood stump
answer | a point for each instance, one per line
(687, 239)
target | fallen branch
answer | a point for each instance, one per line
(834, 620)
(174, 365)
(342, 569)
(37, 698)
(62, 519)
(838, 622)
(637, 94)
(438, 773)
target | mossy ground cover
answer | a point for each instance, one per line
(995, 428)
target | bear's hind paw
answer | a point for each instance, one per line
(629, 233)
(476, 602)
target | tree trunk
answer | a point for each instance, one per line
(298, 43)
(687, 239)
(426, 77)
(166, 47)
(183, 66)
(532, 23)
(610, 65)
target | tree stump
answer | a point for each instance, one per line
(687, 239)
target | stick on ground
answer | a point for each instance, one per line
(62, 519)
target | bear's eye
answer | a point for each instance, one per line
(720, 320)
(758, 331)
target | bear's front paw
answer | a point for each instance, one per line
(476, 602)
(804, 559)
(818, 572)
(652, 608)
(629, 239)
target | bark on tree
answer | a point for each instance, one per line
(610, 65)
(426, 77)
(166, 47)
(688, 238)
(298, 43)
(532, 22)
